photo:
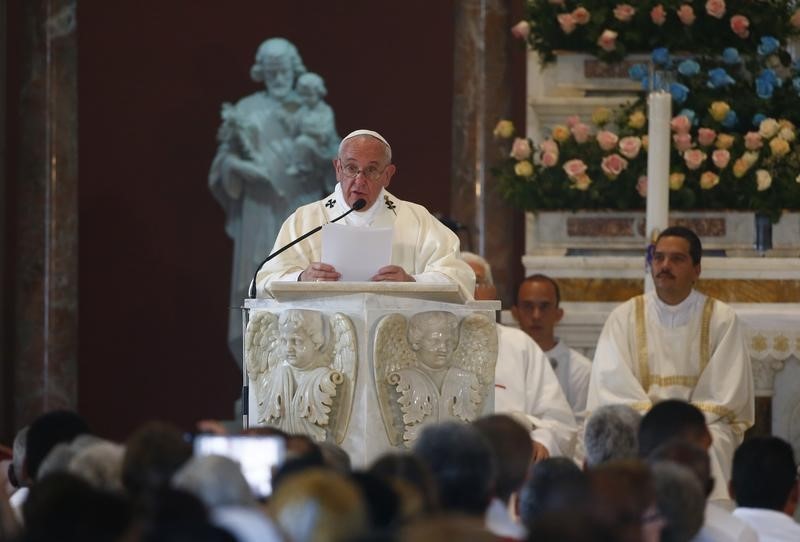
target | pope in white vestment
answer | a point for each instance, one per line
(691, 349)
(526, 387)
(423, 249)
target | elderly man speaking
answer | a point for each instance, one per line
(423, 249)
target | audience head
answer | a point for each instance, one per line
(335, 457)
(512, 449)
(537, 309)
(611, 433)
(484, 283)
(217, 481)
(555, 485)
(381, 500)
(18, 475)
(681, 499)
(412, 480)
(765, 475)
(676, 264)
(153, 453)
(672, 419)
(691, 456)
(624, 500)
(46, 432)
(318, 505)
(100, 464)
(460, 460)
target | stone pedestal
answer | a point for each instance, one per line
(371, 360)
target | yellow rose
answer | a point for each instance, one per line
(779, 147)
(676, 181)
(718, 110)
(751, 157)
(645, 141)
(523, 168)
(581, 182)
(709, 180)
(636, 120)
(763, 180)
(724, 141)
(740, 167)
(504, 129)
(601, 116)
(560, 133)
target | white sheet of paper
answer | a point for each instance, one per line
(356, 252)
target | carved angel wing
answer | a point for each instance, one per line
(472, 372)
(400, 388)
(345, 360)
(261, 356)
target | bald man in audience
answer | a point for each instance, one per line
(525, 384)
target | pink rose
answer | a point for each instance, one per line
(630, 147)
(567, 22)
(612, 165)
(548, 145)
(607, 140)
(521, 30)
(683, 142)
(549, 159)
(795, 19)
(607, 40)
(753, 141)
(740, 26)
(581, 15)
(721, 157)
(580, 132)
(641, 186)
(694, 158)
(706, 136)
(716, 8)
(624, 12)
(680, 124)
(658, 15)
(574, 168)
(686, 14)
(572, 120)
(521, 149)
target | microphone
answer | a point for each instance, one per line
(359, 204)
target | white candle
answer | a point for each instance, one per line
(659, 116)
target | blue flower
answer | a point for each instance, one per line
(689, 114)
(718, 78)
(764, 89)
(730, 119)
(770, 77)
(658, 82)
(679, 92)
(637, 72)
(688, 68)
(768, 45)
(758, 118)
(661, 56)
(731, 56)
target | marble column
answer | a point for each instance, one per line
(489, 65)
(44, 272)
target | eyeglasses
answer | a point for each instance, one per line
(371, 173)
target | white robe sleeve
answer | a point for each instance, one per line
(527, 388)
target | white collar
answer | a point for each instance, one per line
(358, 218)
(675, 315)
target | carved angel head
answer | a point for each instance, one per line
(303, 340)
(433, 336)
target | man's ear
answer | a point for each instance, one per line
(559, 314)
(391, 169)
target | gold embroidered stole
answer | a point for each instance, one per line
(641, 348)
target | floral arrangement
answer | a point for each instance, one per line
(611, 29)
(734, 140)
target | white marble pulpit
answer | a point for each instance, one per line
(367, 365)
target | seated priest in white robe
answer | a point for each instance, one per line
(423, 249)
(525, 385)
(676, 343)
